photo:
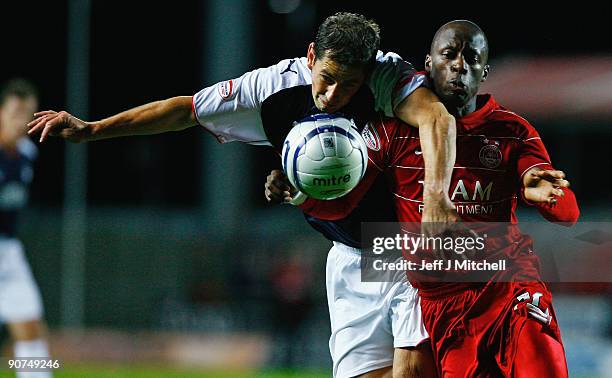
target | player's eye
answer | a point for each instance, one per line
(327, 79)
(472, 58)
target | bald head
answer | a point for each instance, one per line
(457, 64)
(465, 28)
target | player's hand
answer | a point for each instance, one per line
(438, 215)
(544, 185)
(440, 219)
(61, 124)
(278, 188)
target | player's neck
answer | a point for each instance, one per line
(462, 110)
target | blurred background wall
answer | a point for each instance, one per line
(173, 232)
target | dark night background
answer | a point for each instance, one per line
(162, 246)
(145, 51)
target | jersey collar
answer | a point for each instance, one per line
(481, 114)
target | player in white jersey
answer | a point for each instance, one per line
(20, 302)
(342, 72)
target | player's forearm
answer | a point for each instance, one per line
(172, 114)
(438, 144)
(437, 133)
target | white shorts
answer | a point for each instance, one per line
(368, 319)
(19, 296)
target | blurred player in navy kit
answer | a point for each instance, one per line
(20, 302)
(504, 325)
(343, 71)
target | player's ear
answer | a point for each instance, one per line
(428, 63)
(485, 72)
(310, 55)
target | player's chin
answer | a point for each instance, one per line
(326, 108)
(323, 108)
(455, 97)
(330, 109)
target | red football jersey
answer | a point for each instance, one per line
(495, 148)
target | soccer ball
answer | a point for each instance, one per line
(324, 156)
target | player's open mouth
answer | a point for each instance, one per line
(457, 87)
(456, 84)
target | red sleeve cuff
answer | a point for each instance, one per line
(564, 211)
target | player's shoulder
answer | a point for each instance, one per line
(392, 68)
(292, 71)
(390, 58)
(297, 65)
(252, 88)
(387, 57)
(519, 125)
(286, 74)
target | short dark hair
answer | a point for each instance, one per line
(19, 87)
(348, 39)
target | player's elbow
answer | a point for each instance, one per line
(180, 112)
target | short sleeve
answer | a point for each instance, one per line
(231, 109)
(532, 153)
(391, 81)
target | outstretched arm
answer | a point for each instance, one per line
(541, 185)
(172, 114)
(437, 134)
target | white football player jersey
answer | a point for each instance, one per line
(260, 106)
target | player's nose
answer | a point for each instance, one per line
(332, 91)
(334, 95)
(458, 64)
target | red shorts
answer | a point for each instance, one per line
(502, 329)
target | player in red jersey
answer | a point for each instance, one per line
(505, 326)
